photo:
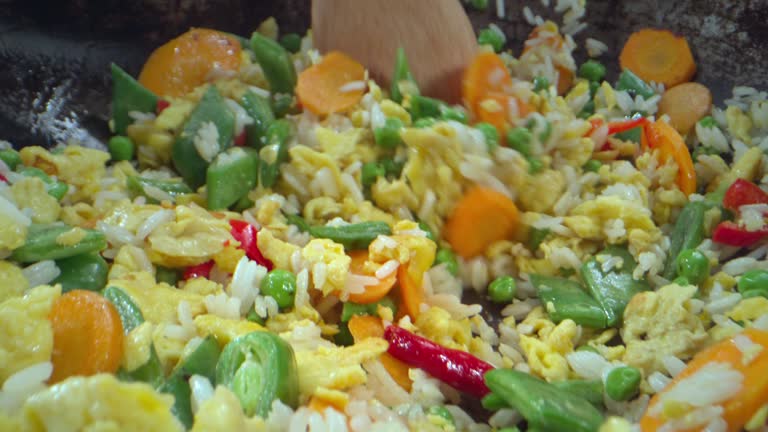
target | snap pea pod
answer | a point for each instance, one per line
(128, 95)
(493, 402)
(85, 271)
(129, 312)
(259, 109)
(353, 236)
(565, 299)
(201, 361)
(178, 387)
(276, 63)
(54, 188)
(275, 152)
(402, 81)
(283, 104)
(137, 186)
(42, 244)
(150, 372)
(351, 309)
(259, 367)
(589, 390)
(231, 176)
(422, 106)
(622, 383)
(186, 157)
(614, 288)
(11, 157)
(167, 275)
(687, 234)
(543, 405)
(633, 83)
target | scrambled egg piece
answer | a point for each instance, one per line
(658, 324)
(100, 403)
(341, 146)
(228, 258)
(436, 324)
(300, 317)
(26, 337)
(78, 166)
(154, 145)
(12, 281)
(175, 114)
(602, 211)
(223, 329)
(30, 192)
(336, 368)
(749, 309)
(393, 194)
(12, 233)
(137, 346)
(546, 354)
(159, 303)
(336, 262)
(309, 162)
(739, 123)
(276, 250)
(169, 350)
(202, 286)
(540, 192)
(78, 214)
(223, 413)
(193, 238)
(125, 262)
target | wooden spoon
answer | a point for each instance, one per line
(436, 34)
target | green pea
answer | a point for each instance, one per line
(424, 122)
(291, 42)
(445, 417)
(621, 383)
(424, 227)
(11, 158)
(167, 275)
(479, 4)
(370, 172)
(592, 70)
(455, 114)
(540, 83)
(693, 265)
(592, 165)
(535, 165)
(121, 148)
(388, 136)
(447, 257)
(682, 281)
(708, 122)
(594, 86)
(391, 167)
(519, 138)
(753, 280)
(587, 110)
(502, 289)
(491, 135)
(280, 285)
(494, 38)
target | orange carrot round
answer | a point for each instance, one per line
(658, 55)
(321, 87)
(482, 217)
(186, 62)
(411, 292)
(365, 326)
(485, 75)
(660, 135)
(739, 409)
(87, 335)
(685, 104)
(372, 293)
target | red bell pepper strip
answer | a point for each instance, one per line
(732, 234)
(248, 237)
(743, 192)
(3, 179)
(240, 139)
(200, 270)
(459, 369)
(162, 104)
(617, 126)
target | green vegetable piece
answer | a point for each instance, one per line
(693, 265)
(442, 415)
(254, 317)
(291, 42)
(758, 292)
(592, 70)
(594, 86)
(587, 110)
(129, 312)
(422, 106)
(632, 83)
(275, 152)
(370, 172)
(447, 257)
(295, 219)
(276, 63)
(687, 233)
(589, 348)
(543, 405)
(86, 271)
(281, 286)
(634, 135)
(519, 138)
(166, 275)
(424, 227)
(752, 280)
(350, 309)
(535, 165)
(259, 367)
(185, 155)
(502, 290)
(514, 429)
(283, 104)
(491, 135)
(243, 204)
(456, 114)
(592, 165)
(202, 360)
(344, 336)
(354, 236)
(493, 402)
(565, 299)
(392, 168)
(138, 186)
(403, 82)
(121, 148)
(494, 38)
(54, 188)
(589, 390)
(536, 237)
(178, 387)
(41, 244)
(260, 110)
(12, 158)
(388, 136)
(682, 281)
(480, 5)
(708, 122)
(614, 288)
(150, 372)
(424, 122)
(128, 95)
(622, 383)
(540, 83)
(231, 176)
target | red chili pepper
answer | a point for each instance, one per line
(731, 234)
(248, 237)
(162, 104)
(743, 192)
(459, 369)
(200, 270)
(3, 179)
(623, 126)
(240, 139)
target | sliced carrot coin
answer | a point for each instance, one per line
(659, 56)
(335, 84)
(372, 293)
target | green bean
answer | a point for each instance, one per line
(166, 275)
(480, 5)
(281, 286)
(589, 390)
(535, 165)
(43, 244)
(55, 188)
(424, 227)
(687, 233)
(403, 82)
(344, 336)
(622, 383)
(283, 104)
(753, 283)
(151, 372)
(630, 82)
(493, 402)
(202, 360)
(353, 236)
(85, 271)
(456, 114)
(137, 187)
(230, 177)
(130, 314)
(502, 290)
(128, 95)
(178, 387)
(259, 109)
(440, 412)
(422, 106)
(121, 148)
(276, 63)
(565, 299)
(274, 153)
(536, 236)
(351, 309)
(424, 122)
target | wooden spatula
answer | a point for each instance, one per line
(436, 34)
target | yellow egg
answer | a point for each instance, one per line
(12, 281)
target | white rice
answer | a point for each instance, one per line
(141, 117)
(223, 306)
(500, 11)
(206, 141)
(673, 365)
(156, 219)
(41, 273)
(723, 304)
(201, 391)
(587, 364)
(595, 48)
(246, 282)
(712, 384)
(9, 209)
(319, 275)
(242, 119)
(23, 384)
(658, 381)
(387, 269)
(353, 86)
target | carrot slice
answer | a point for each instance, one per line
(658, 55)
(685, 104)
(486, 74)
(751, 363)
(186, 62)
(87, 335)
(321, 87)
(365, 326)
(372, 293)
(660, 135)
(411, 292)
(482, 217)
